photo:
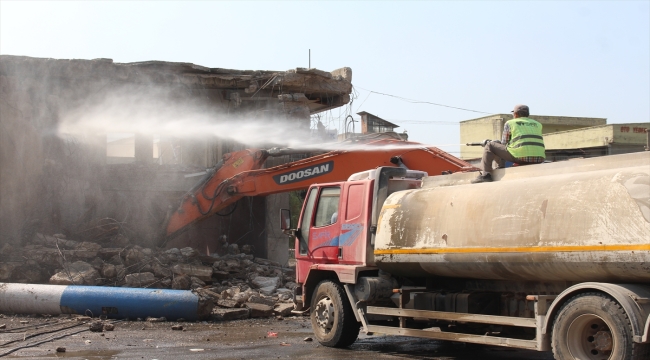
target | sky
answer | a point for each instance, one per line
(562, 58)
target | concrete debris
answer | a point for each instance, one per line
(232, 286)
(283, 309)
(96, 326)
(267, 285)
(230, 314)
(182, 282)
(199, 271)
(260, 310)
(77, 273)
(140, 280)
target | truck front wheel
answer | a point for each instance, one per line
(332, 319)
(593, 326)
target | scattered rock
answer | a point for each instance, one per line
(233, 249)
(109, 327)
(260, 300)
(60, 349)
(182, 282)
(96, 326)
(230, 314)
(6, 270)
(140, 279)
(283, 309)
(307, 339)
(77, 273)
(202, 272)
(189, 253)
(3, 326)
(109, 271)
(227, 303)
(196, 283)
(160, 270)
(177, 327)
(260, 310)
(267, 285)
(134, 256)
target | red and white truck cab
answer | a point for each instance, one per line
(335, 233)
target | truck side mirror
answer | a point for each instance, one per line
(285, 219)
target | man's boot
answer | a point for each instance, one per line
(482, 178)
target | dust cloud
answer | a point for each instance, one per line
(158, 113)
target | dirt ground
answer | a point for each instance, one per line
(39, 338)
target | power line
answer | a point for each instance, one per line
(412, 101)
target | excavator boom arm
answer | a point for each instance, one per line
(241, 175)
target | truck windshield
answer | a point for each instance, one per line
(305, 223)
(328, 205)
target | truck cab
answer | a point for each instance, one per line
(336, 229)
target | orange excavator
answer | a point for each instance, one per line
(240, 173)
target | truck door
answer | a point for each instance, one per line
(318, 238)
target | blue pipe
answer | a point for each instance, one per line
(112, 302)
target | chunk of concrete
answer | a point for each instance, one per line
(267, 285)
(189, 253)
(230, 314)
(140, 279)
(6, 270)
(283, 309)
(260, 310)
(202, 272)
(109, 271)
(227, 303)
(260, 300)
(160, 270)
(77, 273)
(181, 282)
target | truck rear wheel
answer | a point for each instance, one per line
(332, 319)
(593, 326)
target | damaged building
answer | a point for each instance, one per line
(65, 170)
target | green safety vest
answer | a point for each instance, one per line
(525, 138)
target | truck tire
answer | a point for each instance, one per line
(593, 326)
(332, 319)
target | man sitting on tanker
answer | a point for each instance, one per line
(521, 143)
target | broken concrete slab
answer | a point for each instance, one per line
(181, 282)
(283, 309)
(200, 271)
(259, 310)
(77, 273)
(260, 300)
(267, 285)
(227, 303)
(160, 270)
(139, 280)
(230, 314)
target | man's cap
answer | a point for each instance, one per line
(520, 108)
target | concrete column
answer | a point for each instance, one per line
(277, 243)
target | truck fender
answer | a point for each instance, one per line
(313, 278)
(635, 300)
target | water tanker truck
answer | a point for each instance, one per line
(548, 257)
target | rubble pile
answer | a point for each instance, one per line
(236, 285)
